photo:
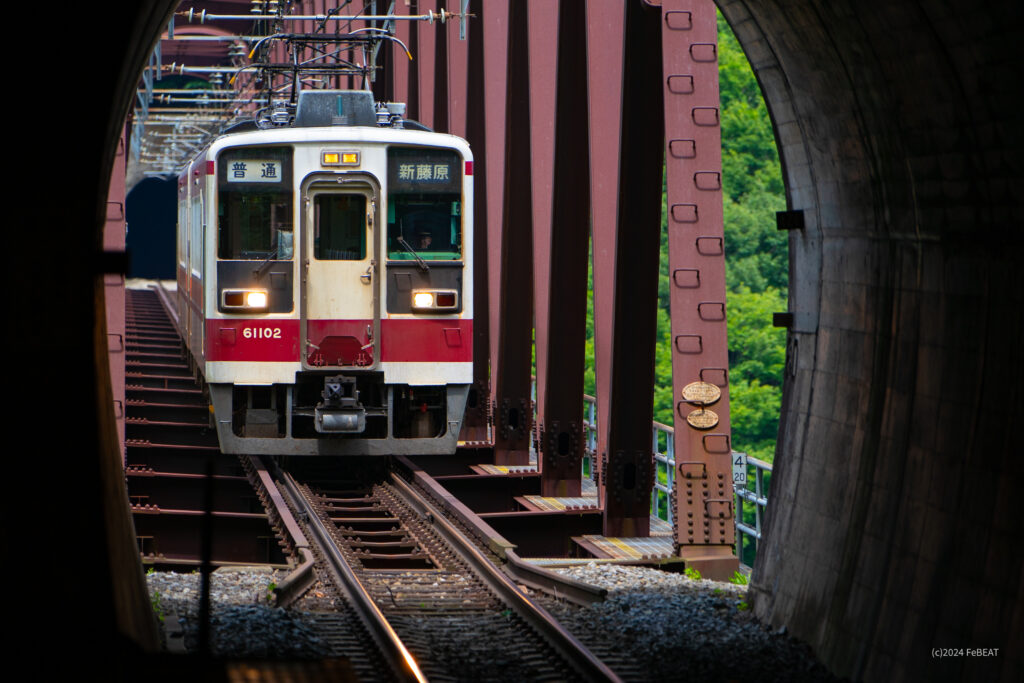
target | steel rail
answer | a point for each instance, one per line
(302, 577)
(583, 660)
(521, 571)
(397, 655)
(552, 583)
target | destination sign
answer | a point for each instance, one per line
(254, 171)
(424, 170)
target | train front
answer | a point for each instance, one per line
(338, 306)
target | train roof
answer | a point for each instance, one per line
(369, 134)
(336, 115)
(316, 120)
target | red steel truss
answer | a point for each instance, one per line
(577, 113)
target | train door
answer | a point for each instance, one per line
(340, 305)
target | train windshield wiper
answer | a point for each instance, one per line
(271, 256)
(419, 260)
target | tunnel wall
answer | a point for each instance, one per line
(79, 595)
(890, 529)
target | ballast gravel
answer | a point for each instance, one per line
(653, 625)
(661, 626)
(242, 622)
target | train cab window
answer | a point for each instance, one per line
(429, 225)
(424, 207)
(339, 227)
(255, 207)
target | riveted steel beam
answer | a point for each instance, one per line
(468, 110)
(442, 83)
(513, 413)
(543, 66)
(703, 521)
(457, 61)
(495, 61)
(562, 327)
(406, 83)
(605, 23)
(629, 471)
(426, 61)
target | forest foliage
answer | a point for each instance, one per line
(756, 265)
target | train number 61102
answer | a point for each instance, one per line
(262, 333)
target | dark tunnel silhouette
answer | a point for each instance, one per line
(892, 525)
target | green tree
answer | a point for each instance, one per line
(757, 259)
(757, 351)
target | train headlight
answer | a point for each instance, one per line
(256, 299)
(435, 300)
(244, 300)
(423, 300)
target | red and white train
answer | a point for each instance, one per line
(325, 280)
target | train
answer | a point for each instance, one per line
(324, 279)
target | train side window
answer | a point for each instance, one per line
(339, 227)
(254, 208)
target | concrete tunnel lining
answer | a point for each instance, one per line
(896, 129)
(889, 529)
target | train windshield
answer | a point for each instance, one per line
(424, 204)
(254, 208)
(340, 227)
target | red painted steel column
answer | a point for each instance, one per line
(475, 423)
(702, 501)
(383, 85)
(629, 473)
(605, 26)
(113, 284)
(442, 122)
(495, 60)
(457, 53)
(543, 65)
(426, 38)
(564, 321)
(511, 369)
(403, 70)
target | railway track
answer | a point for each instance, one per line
(181, 488)
(418, 600)
(437, 606)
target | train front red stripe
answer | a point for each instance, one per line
(427, 340)
(410, 340)
(262, 340)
